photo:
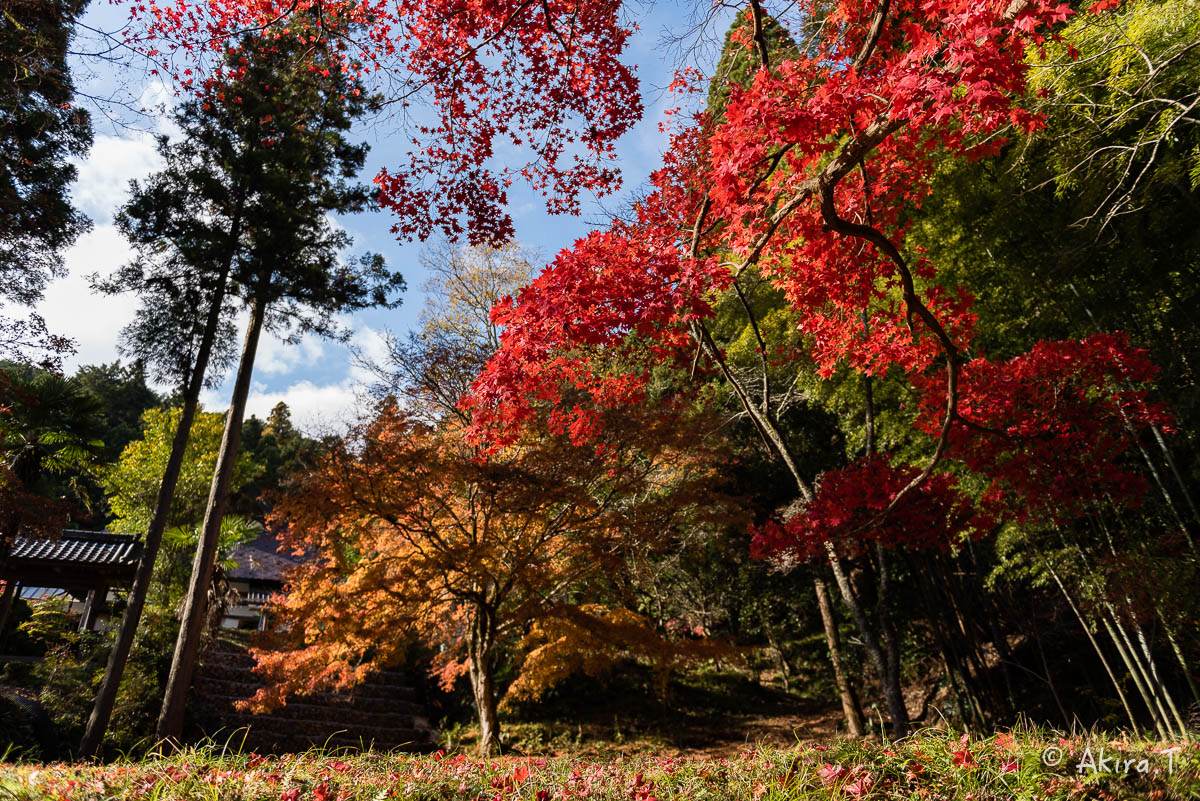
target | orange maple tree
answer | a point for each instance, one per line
(408, 534)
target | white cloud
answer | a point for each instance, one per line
(316, 409)
(276, 357)
(71, 309)
(104, 177)
(370, 345)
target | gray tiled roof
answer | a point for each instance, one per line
(79, 548)
(261, 560)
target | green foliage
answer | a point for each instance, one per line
(70, 672)
(133, 483)
(179, 544)
(50, 434)
(280, 450)
(1090, 224)
(123, 397)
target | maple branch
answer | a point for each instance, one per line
(774, 159)
(466, 54)
(873, 34)
(239, 32)
(913, 304)
(705, 205)
(760, 35)
(762, 346)
(550, 27)
(833, 172)
(851, 154)
(761, 420)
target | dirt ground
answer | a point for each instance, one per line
(698, 721)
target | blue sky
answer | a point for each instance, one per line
(317, 378)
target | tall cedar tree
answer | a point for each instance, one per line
(264, 156)
(290, 272)
(186, 226)
(802, 189)
(40, 132)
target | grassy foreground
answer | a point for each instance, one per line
(931, 765)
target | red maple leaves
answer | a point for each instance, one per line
(807, 180)
(474, 82)
(1050, 426)
(849, 513)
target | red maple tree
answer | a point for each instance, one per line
(806, 182)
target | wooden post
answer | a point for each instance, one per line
(88, 619)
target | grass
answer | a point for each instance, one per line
(933, 764)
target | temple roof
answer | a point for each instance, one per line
(260, 560)
(80, 547)
(75, 559)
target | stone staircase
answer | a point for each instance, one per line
(383, 712)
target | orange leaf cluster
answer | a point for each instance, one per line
(409, 533)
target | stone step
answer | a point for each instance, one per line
(342, 714)
(244, 686)
(380, 678)
(317, 730)
(383, 710)
(225, 652)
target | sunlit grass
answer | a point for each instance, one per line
(933, 764)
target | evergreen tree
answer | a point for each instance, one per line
(280, 450)
(291, 274)
(124, 396)
(265, 155)
(40, 131)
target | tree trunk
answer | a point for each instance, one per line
(785, 671)
(6, 605)
(106, 697)
(768, 429)
(1183, 663)
(191, 629)
(891, 645)
(889, 680)
(482, 682)
(1155, 710)
(850, 705)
